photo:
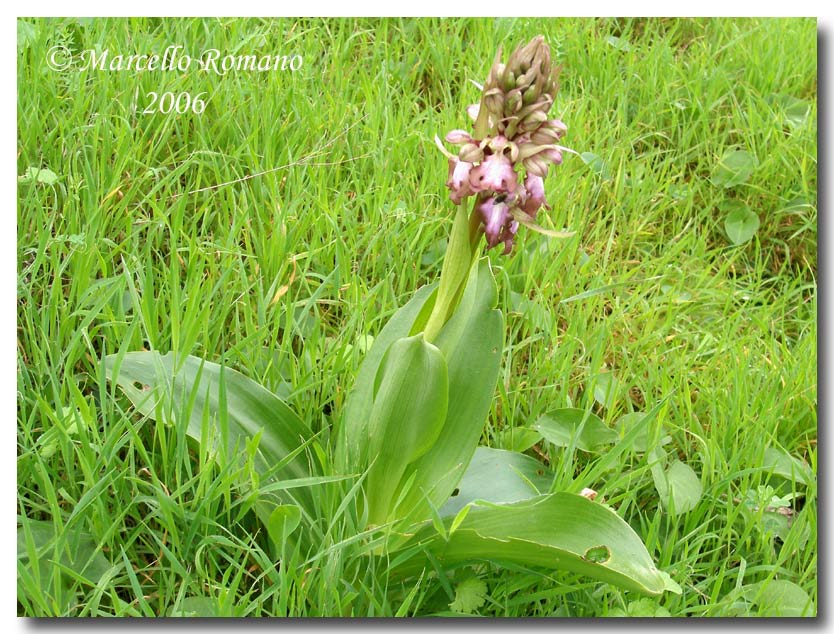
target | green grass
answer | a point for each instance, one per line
(282, 275)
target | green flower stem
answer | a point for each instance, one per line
(461, 255)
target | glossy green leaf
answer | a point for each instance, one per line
(411, 395)
(606, 389)
(71, 548)
(560, 531)
(470, 594)
(734, 168)
(517, 438)
(499, 477)
(627, 422)
(794, 112)
(569, 425)
(199, 607)
(780, 463)
(352, 446)
(38, 175)
(678, 486)
(779, 597)
(168, 387)
(741, 222)
(283, 520)
(471, 343)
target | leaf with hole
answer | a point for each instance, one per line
(560, 531)
(186, 389)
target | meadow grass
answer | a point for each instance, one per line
(282, 276)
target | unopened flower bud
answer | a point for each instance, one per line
(512, 103)
(532, 121)
(494, 102)
(529, 96)
(545, 136)
(496, 74)
(458, 136)
(553, 155)
(531, 54)
(556, 124)
(471, 153)
(536, 165)
(527, 80)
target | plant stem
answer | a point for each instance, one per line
(461, 253)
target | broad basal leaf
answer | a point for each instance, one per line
(560, 531)
(471, 343)
(499, 477)
(237, 408)
(411, 395)
(352, 446)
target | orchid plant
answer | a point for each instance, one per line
(404, 463)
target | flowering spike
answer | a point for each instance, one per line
(506, 158)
